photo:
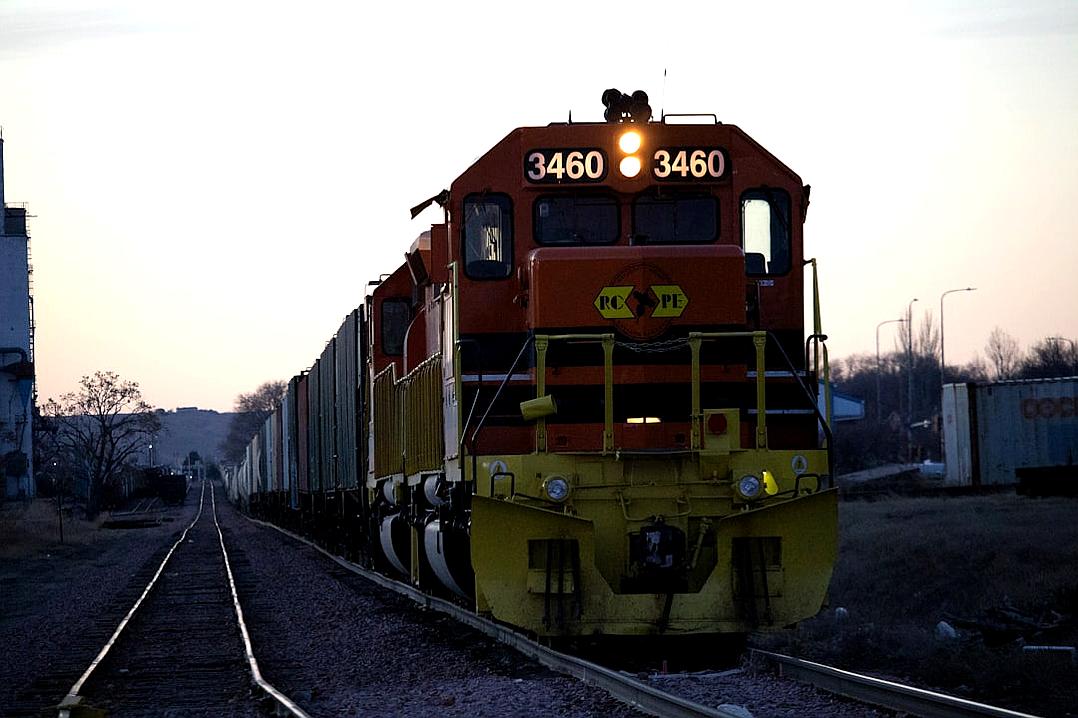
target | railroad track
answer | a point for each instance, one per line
(183, 647)
(887, 694)
(649, 699)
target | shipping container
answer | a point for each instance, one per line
(346, 375)
(314, 429)
(291, 465)
(278, 450)
(267, 457)
(287, 435)
(996, 433)
(327, 416)
(303, 477)
(255, 477)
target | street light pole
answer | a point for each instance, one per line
(887, 321)
(909, 379)
(943, 363)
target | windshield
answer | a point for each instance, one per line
(675, 220)
(576, 220)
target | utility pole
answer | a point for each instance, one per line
(943, 363)
(879, 417)
(909, 379)
(943, 366)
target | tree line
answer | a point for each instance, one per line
(902, 391)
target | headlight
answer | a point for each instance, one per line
(556, 488)
(749, 487)
(630, 166)
(629, 142)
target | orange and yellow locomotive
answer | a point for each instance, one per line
(586, 403)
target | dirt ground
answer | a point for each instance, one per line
(46, 588)
(1001, 570)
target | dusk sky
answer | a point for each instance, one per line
(212, 184)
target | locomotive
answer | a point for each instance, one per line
(586, 403)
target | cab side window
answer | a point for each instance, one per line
(488, 236)
(765, 231)
(396, 315)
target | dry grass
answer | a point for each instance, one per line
(904, 564)
(28, 528)
(956, 555)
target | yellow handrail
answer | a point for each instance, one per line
(817, 328)
(542, 343)
(759, 340)
(695, 341)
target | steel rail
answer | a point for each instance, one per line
(879, 692)
(72, 700)
(624, 688)
(279, 698)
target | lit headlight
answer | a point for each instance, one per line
(630, 166)
(749, 487)
(629, 142)
(556, 488)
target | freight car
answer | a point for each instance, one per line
(1022, 431)
(585, 403)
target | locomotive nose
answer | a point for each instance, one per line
(640, 293)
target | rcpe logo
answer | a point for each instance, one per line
(643, 308)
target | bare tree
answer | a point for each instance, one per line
(1050, 357)
(976, 370)
(251, 411)
(100, 428)
(1003, 353)
(927, 341)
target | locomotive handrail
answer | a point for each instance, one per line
(759, 340)
(542, 341)
(819, 342)
(695, 339)
(459, 345)
(828, 435)
(498, 393)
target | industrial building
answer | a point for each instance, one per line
(16, 350)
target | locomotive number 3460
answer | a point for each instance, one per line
(583, 165)
(689, 163)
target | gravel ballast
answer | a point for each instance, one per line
(340, 646)
(334, 642)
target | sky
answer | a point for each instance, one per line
(212, 184)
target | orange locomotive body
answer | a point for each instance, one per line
(588, 397)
